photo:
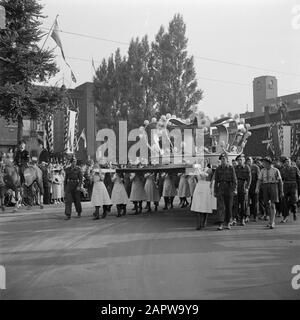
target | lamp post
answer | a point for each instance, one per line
(2, 18)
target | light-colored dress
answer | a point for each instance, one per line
(119, 194)
(57, 182)
(183, 188)
(202, 197)
(192, 184)
(151, 189)
(100, 196)
(137, 189)
(169, 189)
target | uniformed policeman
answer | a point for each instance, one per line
(291, 183)
(243, 175)
(224, 190)
(73, 184)
(252, 196)
(21, 159)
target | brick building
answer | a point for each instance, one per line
(275, 118)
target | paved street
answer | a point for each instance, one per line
(149, 256)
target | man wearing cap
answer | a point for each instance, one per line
(21, 159)
(224, 189)
(243, 175)
(291, 183)
(252, 196)
(72, 187)
(270, 180)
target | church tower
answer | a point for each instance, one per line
(264, 88)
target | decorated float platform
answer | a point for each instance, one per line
(178, 145)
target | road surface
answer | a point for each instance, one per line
(149, 256)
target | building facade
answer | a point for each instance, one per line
(275, 120)
(81, 99)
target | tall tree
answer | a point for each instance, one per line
(175, 82)
(24, 65)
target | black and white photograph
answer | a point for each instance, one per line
(149, 150)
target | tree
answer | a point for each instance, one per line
(25, 65)
(175, 80)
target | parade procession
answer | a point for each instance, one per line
(149, 150)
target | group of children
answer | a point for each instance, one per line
(150, 187)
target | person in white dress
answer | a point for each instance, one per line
(57, 185)
(202, 202)
(183, 190)
(119, 195)
(169, 190)
(152, 191)
(100, 196)
(138, 194)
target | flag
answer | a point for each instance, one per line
(73, 77)
(93, 64)
(56, 38)
(83, 137)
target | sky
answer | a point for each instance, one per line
(264, 34)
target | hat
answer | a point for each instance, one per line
(240, 156)
(258, 159)
(223, 155)
(73, 158)
(34, 158)
(267, 159)
(96, 170)
(249, 158)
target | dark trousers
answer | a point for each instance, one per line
(46, 194)
(290, 198)
(253, 203)
(239, 206)
(72, 195)
(225, 201)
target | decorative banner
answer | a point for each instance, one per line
(49, 134)
(71, 131)
(286, 141)
(2, 18)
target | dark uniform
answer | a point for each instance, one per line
(21, 160)
(291, 182)
(253, 196)
(225, 186)
(243, 175)
(72, 184)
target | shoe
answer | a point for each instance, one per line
(243, 223)
(228, 227)
(268, 226)
(198, 228)
(272, 226)
(165, 208)
(67, 218)
(295, 216)
(233, 223)
(285, 220)
(79, 215)
(220, 228)
(247, 219)
(96, 218)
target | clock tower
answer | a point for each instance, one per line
(264, 88)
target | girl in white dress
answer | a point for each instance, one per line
(169, 190)
(202, 198)
(152, 192)
(119, 195)
(57, 182)
(138, 194)
(183, 190)
(100, 196)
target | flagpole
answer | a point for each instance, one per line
(49, 32)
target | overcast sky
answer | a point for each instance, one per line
(259, 33)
